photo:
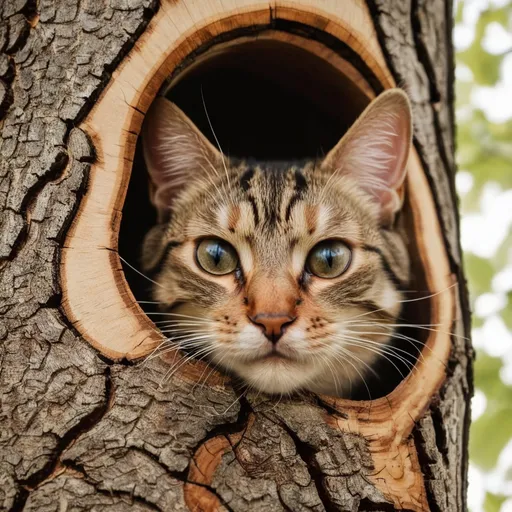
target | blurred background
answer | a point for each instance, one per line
(483, 42)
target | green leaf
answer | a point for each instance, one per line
(506, 313)
(485, 66)
(476, 322)
(487, 373)
(490, 433)
(480, 272)
(493, 502)
(463, 91)
(459, 11)
(503, 254)
(488, 380)
(490, 166)
(497, 418)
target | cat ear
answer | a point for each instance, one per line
(175, 152)
(375, 149)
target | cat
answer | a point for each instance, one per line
(287, 275)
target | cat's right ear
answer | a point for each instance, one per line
(175, 152)
(375, 150)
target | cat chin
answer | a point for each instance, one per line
(277, 376)
(286, 376)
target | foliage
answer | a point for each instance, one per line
(485, 448)
(484, 150)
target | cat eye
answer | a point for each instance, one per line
(216, 256)
(329, 259)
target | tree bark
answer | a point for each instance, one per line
(80, 431)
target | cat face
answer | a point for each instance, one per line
(285, 274)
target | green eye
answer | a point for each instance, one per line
(329, 259)
(216, 256)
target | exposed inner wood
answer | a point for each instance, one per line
(101, 305)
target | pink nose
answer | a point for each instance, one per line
(273, 324)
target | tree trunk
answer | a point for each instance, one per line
(82, 426)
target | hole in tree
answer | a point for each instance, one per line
(271, 100)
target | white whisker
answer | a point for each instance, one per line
(139, 272)
(217, 141)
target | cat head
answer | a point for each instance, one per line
(286, 274)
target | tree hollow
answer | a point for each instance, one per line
(306, 57)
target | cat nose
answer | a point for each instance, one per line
(273, 324)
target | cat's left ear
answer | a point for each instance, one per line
(375, 149)
(176, 153)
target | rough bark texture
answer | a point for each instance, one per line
(79, 432)
(416, 39)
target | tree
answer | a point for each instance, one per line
(83, 427)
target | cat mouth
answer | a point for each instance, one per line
(275, 355)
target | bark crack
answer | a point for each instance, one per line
(178, 475)
(228, 429)
(23, 19)
(331, 411)
(435, 98)
(58, 167)
(426, 463)
(111, 492)
(366, 505)
(441, 436)
(52, 466)
(422, 52)
(55, 172)
(307, 454)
